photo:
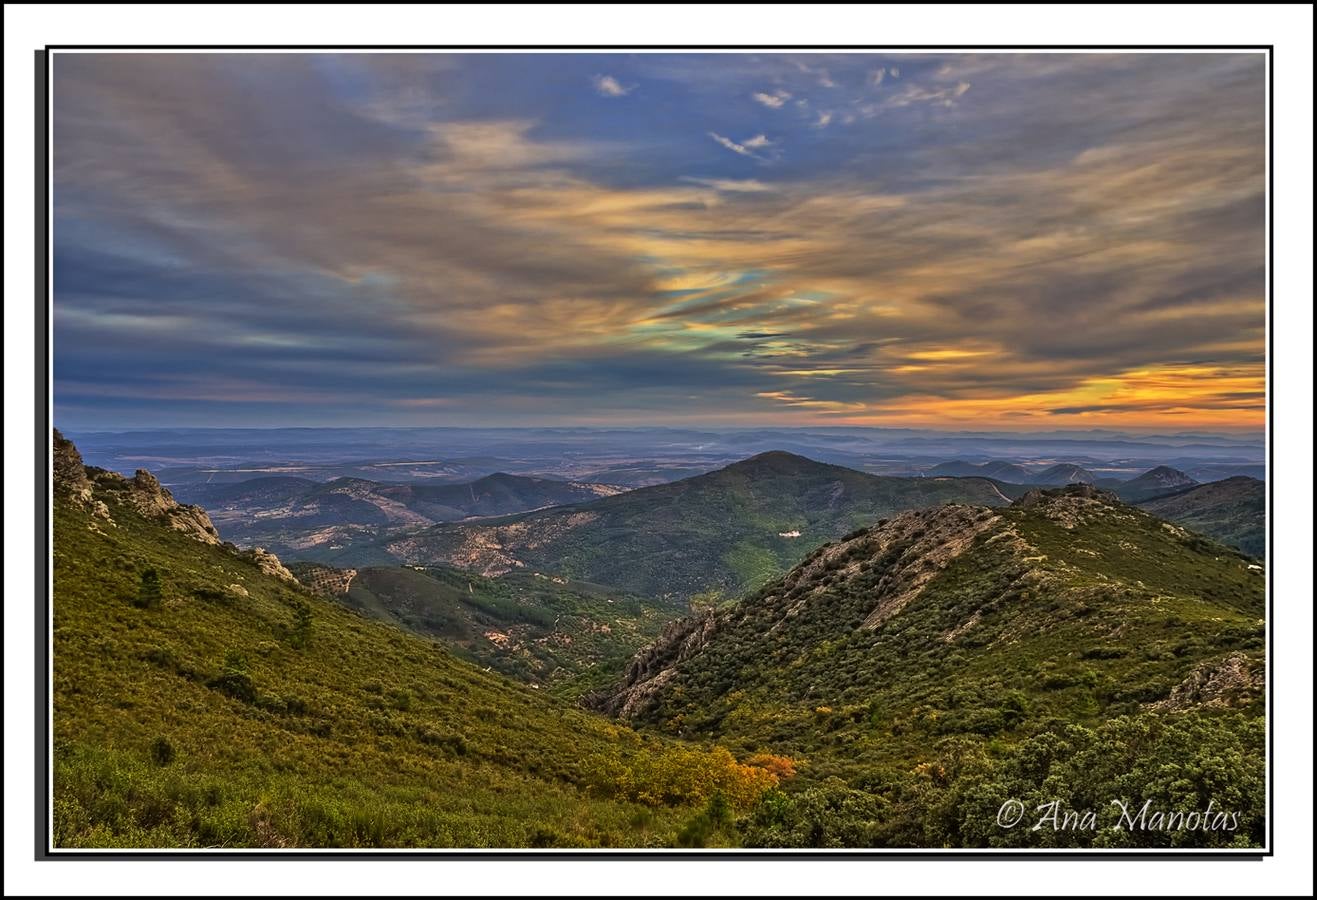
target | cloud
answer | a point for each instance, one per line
(744, 149)
(824, 120)
(943, 96)
(1026, 254)
(775, 100)
(608, 86)
(743, 186)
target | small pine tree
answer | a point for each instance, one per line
(300, 634)
(148, 591)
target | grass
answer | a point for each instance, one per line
(242, 711)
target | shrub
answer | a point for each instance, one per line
(162, 751)
(781, 767)
(299, 636)
(234, 679)
(148, 591)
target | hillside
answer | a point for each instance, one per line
(203, 698)
(1154, 482)
(999, 469)
(951, 658)
(726, 531)
(301, 518)
(561, 635)
(1062, 474)
(1233, 511)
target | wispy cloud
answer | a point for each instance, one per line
(775, 100)
(741, 186)
(608, 86)
(745, 148)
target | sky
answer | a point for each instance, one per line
(960, 241)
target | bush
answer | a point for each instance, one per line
(677, 776)
(234, 679)
(299, 636)
(162, 751)
(148, 591)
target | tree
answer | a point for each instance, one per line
(300, 634)
(148, 591)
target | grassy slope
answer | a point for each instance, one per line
(1233, 511)
(567, 637)
(202, 722)
(718, 531)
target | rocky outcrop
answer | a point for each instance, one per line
(70, 477)
(70, 473)
(153, 500)
(655, 665)
(91, 488)
(1070, 506)
(268, 563)
(1232, 681)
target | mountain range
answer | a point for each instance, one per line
(204, 699)
(724, 531)
(1002, 470)
(299, 516)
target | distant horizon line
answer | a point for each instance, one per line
(1224, 431)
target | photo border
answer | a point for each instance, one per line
(44, 781)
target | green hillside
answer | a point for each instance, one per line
(729, 530)
(925, 670)
(1233, 511)
(564, 636)
(203, 701)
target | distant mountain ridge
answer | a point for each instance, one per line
(297, 515)
(1062, 474)
(1000, 469)
(726, 530)
(1161, 480)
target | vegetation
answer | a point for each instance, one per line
(565, 636)
(1233, 511)
(895, 689)
(1019, 663)
(732, 530)
(243, 711)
